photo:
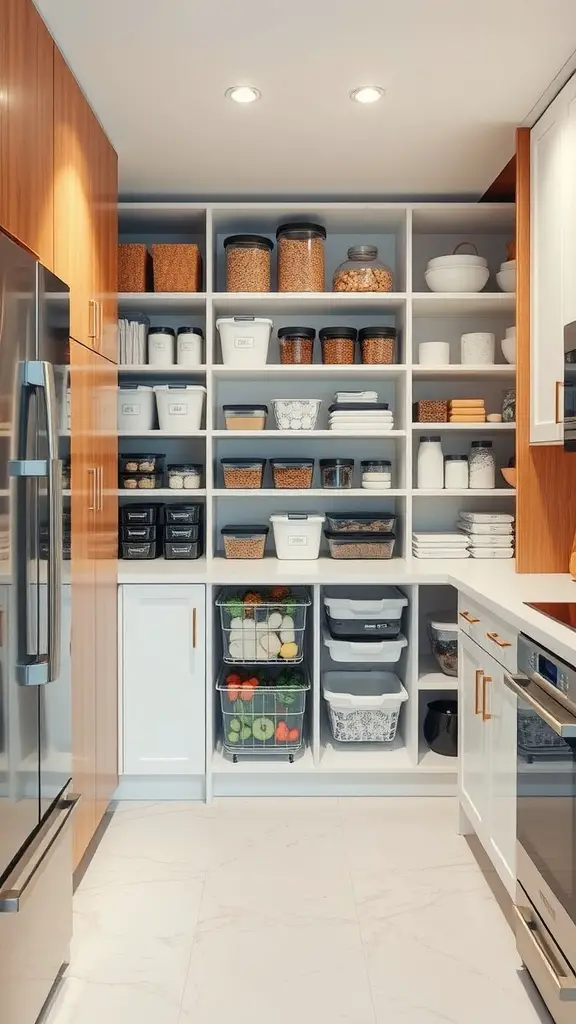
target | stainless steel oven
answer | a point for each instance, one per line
(569, 388)
(545, 910)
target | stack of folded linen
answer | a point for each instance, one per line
(355, 396)
(439, 545)
(361, 417)
(466, 410)
(489, 534)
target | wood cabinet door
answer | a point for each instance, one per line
(472, 744)
(163, 678)
(83, 574)
(105, 168)
(26, 127)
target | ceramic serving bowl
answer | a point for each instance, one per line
(457, 279)
(506, 276)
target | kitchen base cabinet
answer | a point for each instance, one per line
(473, 735)
(164, 680)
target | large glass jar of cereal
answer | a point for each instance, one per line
(301, 257)
(248, 263)
(362, 272)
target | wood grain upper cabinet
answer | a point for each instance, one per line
(26, 127)
(105, 196)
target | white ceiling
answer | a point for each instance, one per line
(459, 76)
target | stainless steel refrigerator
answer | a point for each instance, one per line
(36, 805)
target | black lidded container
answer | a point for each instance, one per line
(441, 727)
(182, 514)
(143, 515)
(363, 629)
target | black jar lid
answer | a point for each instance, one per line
(481, 444)
(304, 463)
(244, 531)
(337, 332)
(375, 462)
(239, 407)
(191, 330)
(297, 332)
(430, 437)
(301, 227)
(334, 463)
(162, 330)
(377, 332)
(455, 458)
(249, 242)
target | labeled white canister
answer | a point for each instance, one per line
(161, 346)
(477, 349)
(136, 408)
(297, 535)
(244, 340)
(456, 472)
(189, 346)
(430, 464)
(481, 466)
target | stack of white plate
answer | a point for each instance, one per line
(489, 534)
(355, 396)
(361, 417)
(439, 545)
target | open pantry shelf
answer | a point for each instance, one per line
(482, 428)
(331, 371)
(234, 303)
(456, 371)
(161, 302)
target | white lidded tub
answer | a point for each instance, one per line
(180, 407)
(387, 651)
(363, 707)
(297, 534)
(365, 603)
(244, 339)
(136, 408)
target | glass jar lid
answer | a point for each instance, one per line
(481, 444)
(249, 242)
(297, 332)
(431, 437)
(368, 463)
(301, 229)
(377, 332)
(191, 330)
(363, 252)
(162, 330)
(455, 458)
(337, 332)
(334, 463)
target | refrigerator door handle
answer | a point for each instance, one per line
(55, 526)
(20, 886)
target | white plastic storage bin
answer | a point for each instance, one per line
(180, 407)
(363, 707)
(136, 408)
(366, 603)
(388, 651)
(244, 339)
(297, 535)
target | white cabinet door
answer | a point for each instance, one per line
(501, 707)
(164, 687)
(569, 218)
(473, 741)
(547, 203)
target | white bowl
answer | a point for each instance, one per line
(456, 259)
(508, 265)
(508, 346)
(507, 279)
(457, 279)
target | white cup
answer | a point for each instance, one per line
(477, 349)
(434, 353)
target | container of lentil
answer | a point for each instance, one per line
(248, 263)
(296, 345)
(338, 344)
(244, 541)
(377, 344)
(360, 545)
(243, 474)
(337, 473)
(292, 474)
(301, 257)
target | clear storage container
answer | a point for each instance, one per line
(137, 534)
(376, 474)
(443, 633)
(176, 549)
(292, 474)
(180, 407)
(141, 463)
(296, 345)
(363, 707)
(189, 346)
(338, 344)
(361, 522)
(184, 478)
(301, 257)
(140, 481)
(297, 535)
(136, 408)
(296, 413)
(243, 474)
(248, 263)
(481, 466)
(181, 533)
(366, 603)
(389, 651)
(182, 513)
(245, 417)
(139, 514)
(362, 272)
(244, 541)
(378, 344)
(161, 346)
(139, 550)
(337, 473)
(244, 340)
(361, 545)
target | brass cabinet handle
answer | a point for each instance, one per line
(92, 318)
(486, 716)
(194, 628)
(99, 497)
(557, 418)
(468, 618)
(92, 474)
(479, 674)
(498, 640)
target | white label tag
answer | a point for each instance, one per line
(159, 344)
(297, 540)
(243, 342)
(175, 409)
(186, 346)
(130, 410)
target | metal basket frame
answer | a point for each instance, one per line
(258, 615)
(276, 704)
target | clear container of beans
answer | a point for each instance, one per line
(301, 257)
(243, 474)
(292, 474)
(184, 478)
(248, 263)
(360, 545)
(296, 345)
(141, 463)
(244, 541)
(377, 344)
(337, 472)
(338, 344)
(362, 272)
(140, 481)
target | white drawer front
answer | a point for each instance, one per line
(492, 634)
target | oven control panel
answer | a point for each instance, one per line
(544, 668)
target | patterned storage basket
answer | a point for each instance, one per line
(363, 707)
(177, 268)
(133, 267)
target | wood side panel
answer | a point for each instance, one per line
(546, 481)
(503, 188)
(106, 251)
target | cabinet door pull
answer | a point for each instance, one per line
(194, 628)
(468, 618)
(498, 640)
(557, 417)
(92, 475)
(478, 677)
(99, 324)
(92, 319)
(486, 716)
(99, 496)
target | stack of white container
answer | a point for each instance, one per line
(360, 411)
(489, 534)
(439, 545)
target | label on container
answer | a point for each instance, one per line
(297, 540)
(186, 346)
(160, 344)
(177, 409)
(130, 410)
(243, 342)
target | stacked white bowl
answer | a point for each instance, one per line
(459, 272)
(506, 276)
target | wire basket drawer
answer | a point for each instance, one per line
(265, 626)
(263, 713)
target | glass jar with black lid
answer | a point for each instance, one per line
(248, 263)
(301, 257)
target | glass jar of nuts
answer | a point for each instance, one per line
(301, 257)
(362, 272)
(248, 263)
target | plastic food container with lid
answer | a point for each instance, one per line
(365, 650)
(243, 474)
(364, 603)
(296, 345)
(443, 633)
(337, 472)
(348, 621)
(180, 407)
(338, 344)
(141, 463)
(161, 346)
(361, 522)
(245, 417)
(292, 473)
(360, 545)
(184, 478)
(181, 532)
(140, 481)
(139, 549)
(136, 408)
(182, 513)
(363, 707)
(176, 549)
(301, 257)
(376, 474)
(296, 413)
(244, 340)
(362, 272)
(378, 344)
(139, 514)
(297, 535)
(139, 533)
(244, 541)
(248, 263)
(189, 346)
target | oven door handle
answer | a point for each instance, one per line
(549, 710)
(562, 981)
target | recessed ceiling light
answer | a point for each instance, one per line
(367, 94)
(243, 93)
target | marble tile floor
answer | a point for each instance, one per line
(290, 911)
